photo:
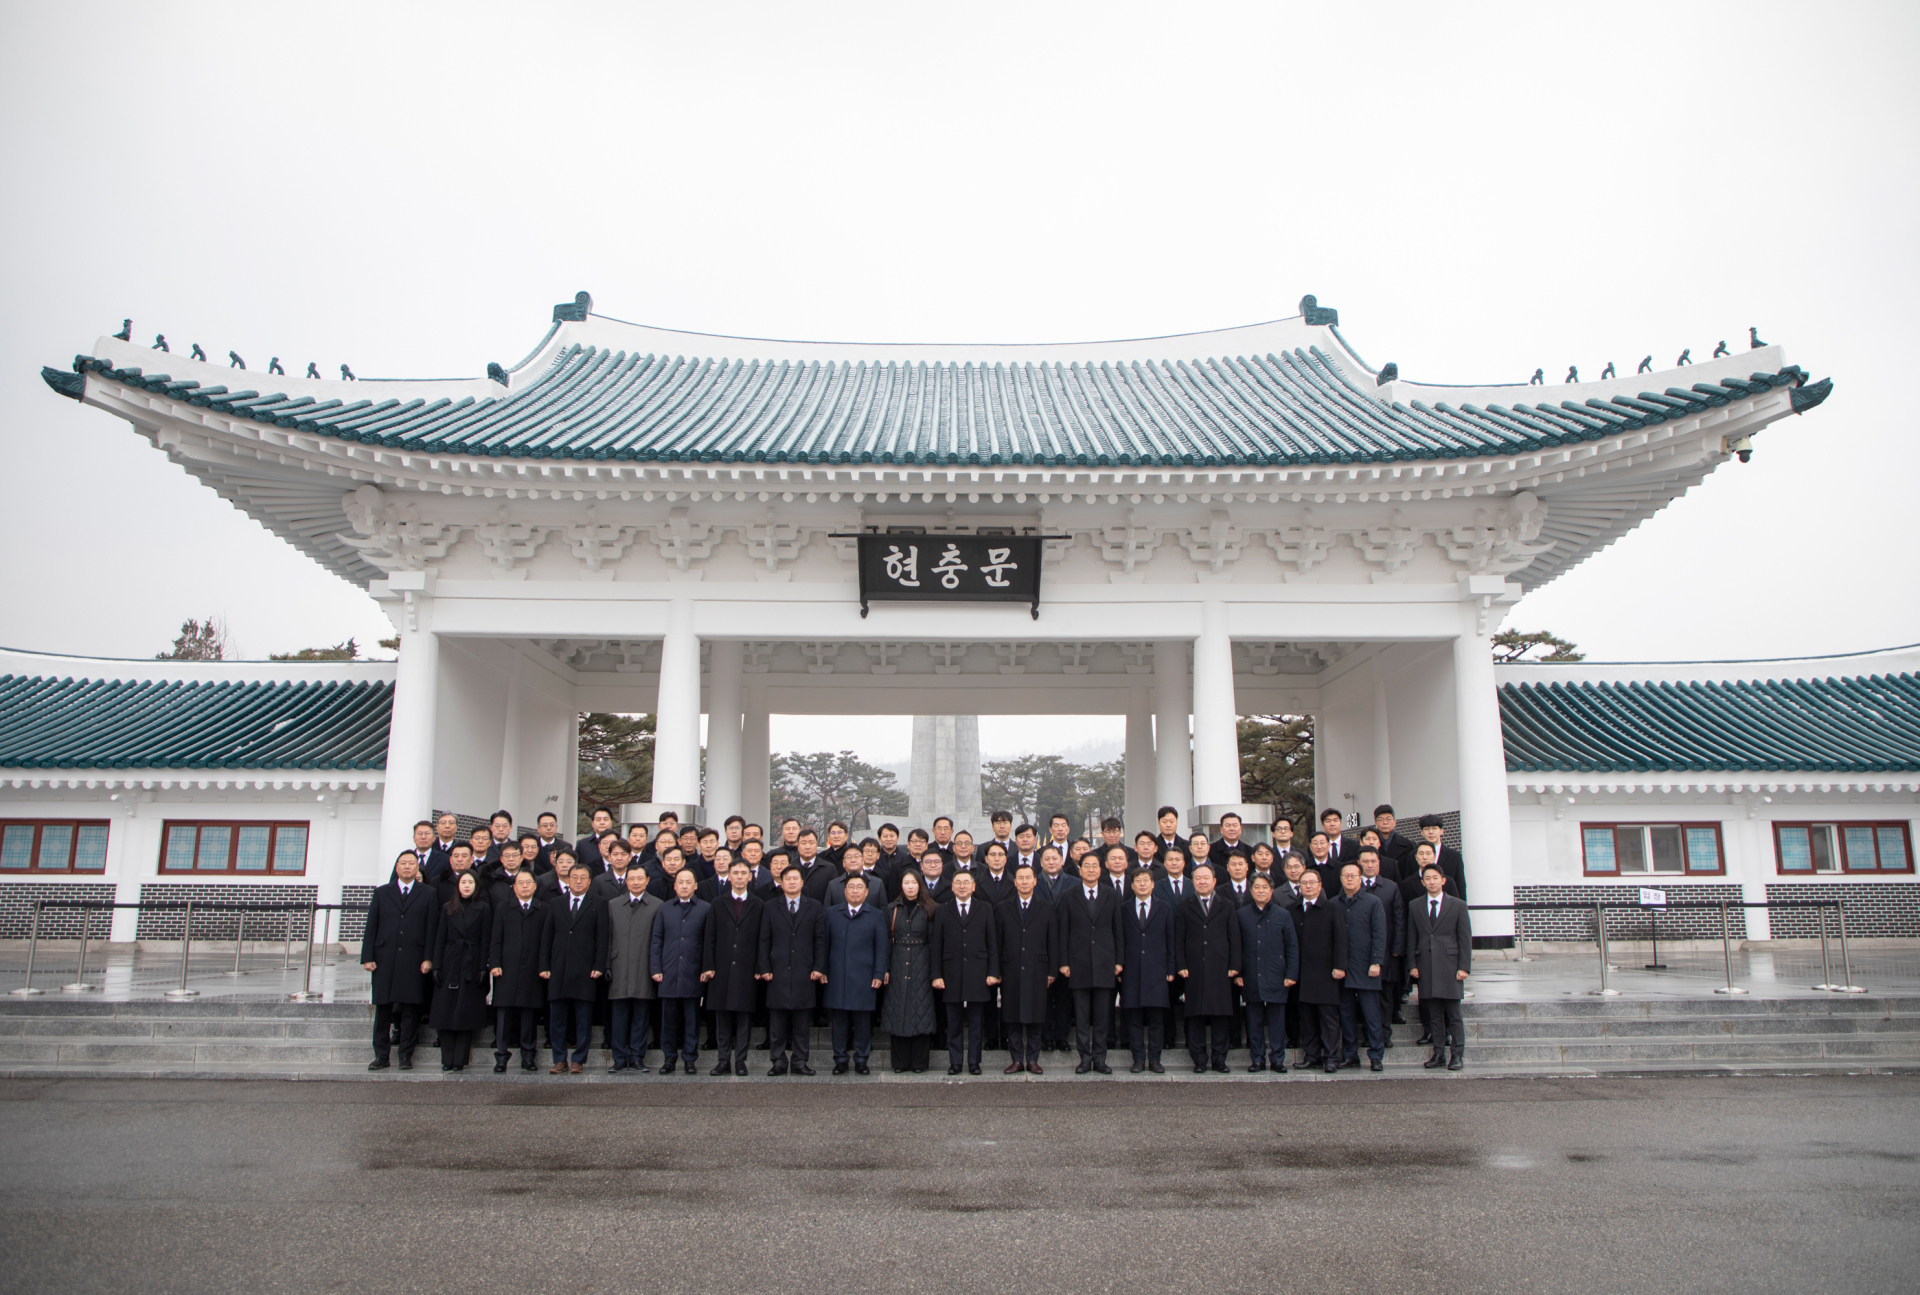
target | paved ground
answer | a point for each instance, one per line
(1778, 969)
(1518, 1185)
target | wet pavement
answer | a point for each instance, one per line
(1516, 1185)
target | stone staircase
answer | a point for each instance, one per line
(59, 1036)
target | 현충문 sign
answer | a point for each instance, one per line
(919, 567)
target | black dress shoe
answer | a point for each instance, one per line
(1458, 1063)
(1279, 1067)
(777, 1069)
(1332, 1067)
(1102, 1068)
(953, 1070)
(1084, 1068)
(500, 1067)
(1399, 1019)
(1199, 1067)
(1425, 1040)
(1375, 1066)
(803, 1070)
(1155, 1067)
(1220, 1068)
(640, 1069)
(666, 1067)
(724, 1068)
(1256, 1068)
(378, 1063)
(616, 1067)
(1351, 1063)
(841, 1067)
(406, 1063)
(740, 1069)
(1137, 1068)
(1434, 1062)
(861, 1068)
(973, 1070)
(530, 1065)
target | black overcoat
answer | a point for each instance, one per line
(1395, 907)
(1323, 946)
(966, 951)
(1269, 951)
(398, 938)
(792, 948)
(1207, 948)
(907, 1008)
(460, 969)
(1089, 935)
(1029, 953)
(515, 949)
(573, 945)
(1148, 955)
(733, 953)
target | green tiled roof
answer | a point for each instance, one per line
(1293, 407)
(49, 723)
(1867, 724)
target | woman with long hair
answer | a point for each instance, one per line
(907, 1013)
(460, 948)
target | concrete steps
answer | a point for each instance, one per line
(65, 1036)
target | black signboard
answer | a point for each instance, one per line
(896, 567)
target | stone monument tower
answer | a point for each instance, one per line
(945, 776)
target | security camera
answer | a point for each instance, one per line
(1742, 446)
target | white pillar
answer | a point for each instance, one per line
(1173, 748)
(511, 748)
(1140, 763)
(676, 714)
(1216, 742)
(407, 796)
(756, 761)
(1486, 826)
(569, 808)
(724, 665)
(1382, 752)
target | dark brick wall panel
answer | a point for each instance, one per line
(1629, 924)
(352, 922)
(1874, 909)
(219, 919)
(17, 900)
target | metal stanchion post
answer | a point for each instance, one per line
(80, 985)
(239, 939)
(286, 932)
(1846, 962)
(186, 955)
(306, 994)
(1600, 930)
(1726, 949)
(1653, 931)
(1826, 968)
(33, 943)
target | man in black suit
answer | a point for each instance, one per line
(1169, 839)
(1090, 945)
(793, 962)
(1029, 967)
(573, 958)
(587, 850)
(1441, 958)
(1150, 958)
(439, 855)
(1396, 852)
(1339, 849)
(1111, 832)
(1323, 965)
(733, 959)
(1433, 831)
(1051, 883)
(547, 828)
(966, 967)
(1206, 940)
(1230, 842)
(423, 851)
(514, 958)
(396, 946)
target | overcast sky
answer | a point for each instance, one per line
(1479, 190)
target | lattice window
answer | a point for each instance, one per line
(243, 849)
(53, 845)
(1652, 850)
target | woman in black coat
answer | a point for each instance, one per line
(907, 1012)
(460, 972)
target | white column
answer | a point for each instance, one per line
(569, 807)
(756, 759)
(724, 706)
(1216, 743)
(1140, 763)
(1486, 827)
(407, 796)
(676, 715)
(1382, 752)
(511, 748)
(1173, 748)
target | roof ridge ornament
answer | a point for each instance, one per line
(1315, 314)
(574, 311)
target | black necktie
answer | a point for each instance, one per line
(1433, 911)
(1143, 912)
(793, 907)
(575, 907)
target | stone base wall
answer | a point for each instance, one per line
(16, 909)
(1875, 910)
(1633, 923)
(219, 920)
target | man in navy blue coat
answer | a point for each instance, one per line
(1270, 958)
(678, 956)
(857, 955)
(1367, 931)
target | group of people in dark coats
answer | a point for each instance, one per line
(1025, 945)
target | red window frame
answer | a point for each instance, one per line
(1839, 827)
(35, 867)
(1686, 869)
(234, 827)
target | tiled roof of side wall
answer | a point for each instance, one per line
(1857, 724)
(64, 723)
(1280, 409)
